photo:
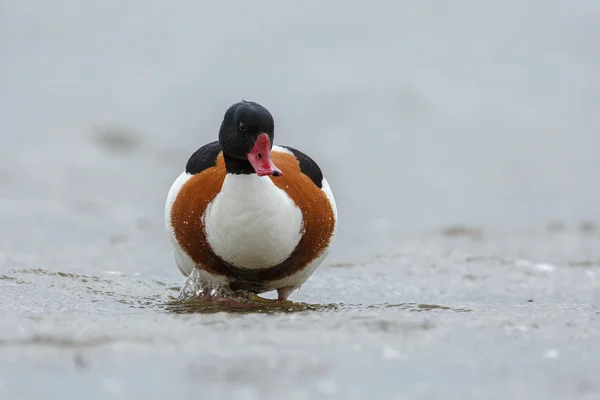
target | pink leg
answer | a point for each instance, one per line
(284, 292)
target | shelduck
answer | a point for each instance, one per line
(247, 214)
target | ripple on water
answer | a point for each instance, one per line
(12, 279)
(73, 291)
(44, 272)
(69, 342)
(416, 307)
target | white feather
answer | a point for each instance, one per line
(280, 149)
(252, 223)
(329, 194)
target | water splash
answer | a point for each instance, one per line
(197, 287)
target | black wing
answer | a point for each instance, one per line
(205, 157)
(308, 166)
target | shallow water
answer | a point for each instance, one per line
(438, 314)
(461, 143)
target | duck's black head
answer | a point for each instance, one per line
(246, 137)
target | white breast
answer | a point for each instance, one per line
(252, 223)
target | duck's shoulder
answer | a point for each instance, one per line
(203, 158)
(307, 165)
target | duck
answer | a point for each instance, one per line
(247, 214)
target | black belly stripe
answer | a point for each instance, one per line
(255, 279)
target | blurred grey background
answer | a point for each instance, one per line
(421, 114)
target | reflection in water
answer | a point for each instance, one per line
(249, 307)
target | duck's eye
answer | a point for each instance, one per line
(242, 126)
